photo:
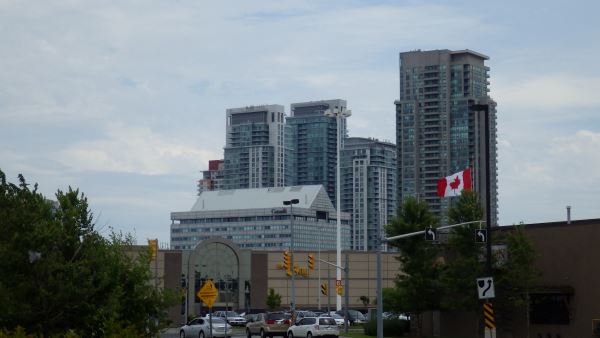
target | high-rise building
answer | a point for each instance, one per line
(437, 133)
(313, 143)
(212, 179)
(368, 189)
(254, 151)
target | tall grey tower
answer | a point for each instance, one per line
(313, 143)
(437, 134)
(368, 189)
(254, 151)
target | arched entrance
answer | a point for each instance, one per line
(217, 259)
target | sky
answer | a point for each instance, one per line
(126, 99)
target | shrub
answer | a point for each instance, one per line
(391, 327)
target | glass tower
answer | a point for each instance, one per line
(254, 151)
(312, 143)
(436, 132)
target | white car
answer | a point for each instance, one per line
(200, 328)
(232, 317)
(314, 327)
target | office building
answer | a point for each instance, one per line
(313, 143)
(437, 134)
(254, 150)
(257, 219)
(368, 189)
(212, 179)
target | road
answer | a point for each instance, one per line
(174, 333)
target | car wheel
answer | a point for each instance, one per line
(201, 334)
(309, 335)
(262, 334)
(248, 333)
(181, 334)
(290, 335)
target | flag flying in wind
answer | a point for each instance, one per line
(454, 184)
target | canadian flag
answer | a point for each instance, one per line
(454, 184)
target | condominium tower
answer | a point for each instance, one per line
(437, 133)
(254, 150)
(312, 141)
(368, 189)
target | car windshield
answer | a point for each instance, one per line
(232, 314)
(326, 321)
(277, 316)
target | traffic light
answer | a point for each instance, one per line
(324, 289)
(339, 290)
(287, 262)
(153, 244)
(311, 261)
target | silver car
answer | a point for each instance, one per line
(314, 327)
(200, 328)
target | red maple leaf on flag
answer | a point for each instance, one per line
(454, 184)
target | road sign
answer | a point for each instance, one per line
(430, 234)
(208, 293)
(480, 235)
(485, 288)
(489, 321)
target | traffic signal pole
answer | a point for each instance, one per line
(379, 273)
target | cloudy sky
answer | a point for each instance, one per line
(126, 99)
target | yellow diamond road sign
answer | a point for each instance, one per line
(208, 293)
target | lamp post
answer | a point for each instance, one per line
(291, 203)
(338, 113)
(485, 109)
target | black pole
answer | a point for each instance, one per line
(485, 109)
(488, 198)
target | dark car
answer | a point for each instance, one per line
(268, 325)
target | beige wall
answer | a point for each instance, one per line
(362, 275)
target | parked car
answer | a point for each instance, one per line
(354, 316)
(200, 327)
(314, 327)
(268, 325)
(232, 317)
(302, 314)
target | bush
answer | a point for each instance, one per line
(391, 327)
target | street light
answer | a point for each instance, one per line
(291, 203)
(338, 113)
(485, 109)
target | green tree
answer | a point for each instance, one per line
(57, 272)
(462, 255)
(273, 300)
(418, 286)
(517, 277)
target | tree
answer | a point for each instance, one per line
(273, 300)
(462, 255)
(516, 277)
(58, 272)
(364, 299)
(418, 286)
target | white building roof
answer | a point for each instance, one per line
(260, 198)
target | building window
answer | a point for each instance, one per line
(549, 309)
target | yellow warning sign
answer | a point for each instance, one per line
(208, 293)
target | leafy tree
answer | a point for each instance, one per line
(273, 300)
(516, 277)
(57, 273)
(418, 286)
(365, 300)
(462, 256)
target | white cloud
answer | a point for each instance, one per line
(537, 183)
(549, 92)
(135, 150)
